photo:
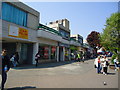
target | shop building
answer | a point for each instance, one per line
(62, 26)
(74, 45)
(48, 45)
(79, 38)
(19, 27)
(22, 33)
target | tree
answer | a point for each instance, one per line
(110, 38)
(93, 39)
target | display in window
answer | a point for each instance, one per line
(53, 51)
(46, 52)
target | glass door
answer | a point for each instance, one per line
(23, 53)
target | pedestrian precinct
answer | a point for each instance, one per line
(5, 67)
(37, 57)
(97, 63)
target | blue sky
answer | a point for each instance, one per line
(84, 17)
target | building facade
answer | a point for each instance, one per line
(19, 26)
(48, 45)
(62, 26)
(79, 39)
(22, 33)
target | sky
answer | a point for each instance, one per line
(84, 17)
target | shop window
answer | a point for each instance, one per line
(47, 52)
(66, 54)
(53, 52)
(44, 52)
(64, 34)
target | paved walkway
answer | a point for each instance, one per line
(60, 75)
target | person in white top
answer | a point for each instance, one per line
(105, 65)
(97, 63)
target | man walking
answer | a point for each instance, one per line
(5, 67)
(78, 57)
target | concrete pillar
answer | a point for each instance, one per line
(57, 53)
(69, 53)
(63, 53)
(18, 47)
(35, 50)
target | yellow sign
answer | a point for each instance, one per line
(18, 32)
(23, 33)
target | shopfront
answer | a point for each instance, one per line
(64, 52)
(73, 49)
(10, 47)
(18, 39)
(26, 53)
(48, 53)
(24, 50)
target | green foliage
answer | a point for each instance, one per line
(113, 57)
(110, 38)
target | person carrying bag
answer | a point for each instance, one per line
(12, 59)
(37, 56)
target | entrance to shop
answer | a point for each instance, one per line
(10, 47)
(26, 53)
(60, 53)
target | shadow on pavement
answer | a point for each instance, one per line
(22, 88)
(45, 65)
(111, 73)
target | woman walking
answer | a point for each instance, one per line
(37, 56)
(97, 62)
(105, 65)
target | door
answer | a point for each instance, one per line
(61, 54)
